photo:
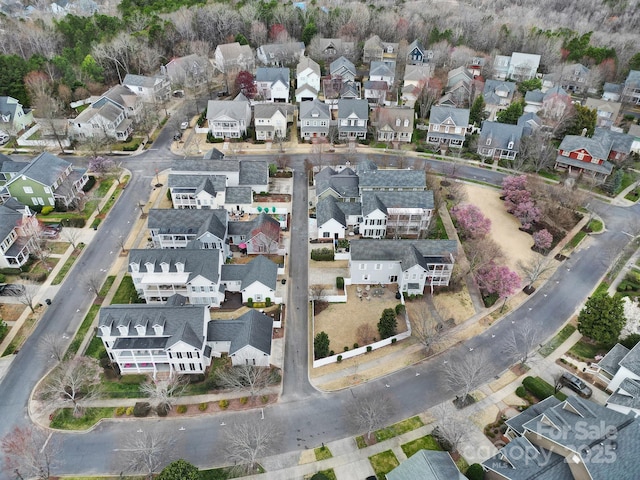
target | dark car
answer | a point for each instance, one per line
(11, 289)
(574, 383)
(177, 136)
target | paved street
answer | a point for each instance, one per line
(306, 417)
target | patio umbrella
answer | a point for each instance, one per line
(243, 246)
(259, 209)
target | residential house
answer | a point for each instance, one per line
(619, 143)
(552, 104)
(229, 118)
(46, 181)
(171, 229)
(377, 50)
(417, 54)
(448, 126)
(245, 173)
(409, 94)
(314, 119)
(416, 75)
(305, 93)
(254, 174)
(61, 7)
(246, 339)
(331, 48)
(634, 132)
(499, 141)
(459, 88)
(612, 91)
(18, 230)
(280, 54)
(518, 66)
(501, 67)
(158, 274)
(530, 123)
(9, 168)
(376, 93)
(353, 117)
(578, 154)
(396, 214)
(575, 78)
(412, 264)
(260, 235)
(620, 369)
(383, 71)
(232, 58)
(335, 88)
(394, 124)
(13, 116)
(156, 89)
(497, 95)
(191, 71)
(371, 179)
(344, 69)
(568, 440)
(271, 120)
(197, 191)
(256, 280)
(631, 88)
(308, 73)
(272, 84)
(334, 218)
(154, 339)
(476, 65)
(607, 111)
(427, 465)
(341, 184)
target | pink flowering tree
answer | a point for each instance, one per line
(542, 239)
(101, 165)
(470, 221)
(499, 280)
(527, 213)
(514, 190)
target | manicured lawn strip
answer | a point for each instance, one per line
(577, 238)
(399, 428)
(439, 232)
(329, 473)
(588, 350)
(633, 195)
(558, 340)
(66, 267)
(216, 474)
(104, 187)
(360, 442)
(322, 453)
(21, 336)
(126, 293)
(601, 289)
(123, 388)
(423, 443)
(462, 464)
(106, 286)
(58, 248)
(95, 349)
(595, 225)
(383, 463)
(627, 179)
(82, 331)
(64, 419)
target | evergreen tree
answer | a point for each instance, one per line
(476, 114)
(511, 114)
(602, 318)
(585, 117)
(321, 345)
(388, 323)
(179, 470)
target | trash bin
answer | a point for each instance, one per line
(48, 301)
(284, 280)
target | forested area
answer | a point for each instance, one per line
(81, 55)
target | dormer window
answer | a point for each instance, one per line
(106, 330)
(149, 266)
(123, 329)
(165, 267)
(158, 329)
(179, 267)
(134, 267)
(397, 122)
(406, 122)
(140, 329)
(510, 146)
(488, 141)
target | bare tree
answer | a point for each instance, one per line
(520, 342)
(163, 392)
(147, 452)
(533, 269)
(283, 161)
(53, 346)
(536, 152)
(94, 282)
(247, 442)
(463, 372)
(480, 252)
(316, 291)
(450, 431)
(426, 329)
(71, 235)
(29, 453)
(365, 334)
(249, 378)
(369, 412)
(73, 384)
(27, 296)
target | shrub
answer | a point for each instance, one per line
(244, 400)
(355, 345)
(223, 404)
(541, 389)
(163, 409)
(131, 148)
(90, 183)
(3, 278)
(203, 406)
(400, 308)
(394, 340)
(181, 409)
(346, 349)
(339, 283)
(369, 348)
(264, 398)
(475, 472)
(521, 391)
(322, 255)
(331, 353)
(250, 302)
(129, 411)
(141, 409)
(120, 411)
(339, 359)
(267, 301)
(631, 341)
(388, 323)
(46, 210)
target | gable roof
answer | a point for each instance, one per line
(307, 62)
(393, 177)
(253, 172)
(407, 252)
(534, 96)
(273, 75)
(383, 69)
(417, 73)
(268, 110)
(238, 195)
(314, 109)
(234, 109)
(9, 219)
(233, 51)
(610, 363)
(327, 209)
(372, 200)
(46, 168)
(349, 106)
(344, 183)
(205, 166)
(501, 135)
(245, 228)
(595, 148)
(388, 117)
(620, 142)
(516, 423)
(493, 86)
(209, 183)
(340, 64)
(631, 361)
(633, 79)
(189, 221)
(440, 113)
(197, 262)
(140, 80)
(427, 465)
(260, 269)
(252, 328)
(627, 394)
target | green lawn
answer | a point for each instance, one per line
(95, 349)
(67, 266)
(106, 286)
(322, 453)
(556, 341)
(329, 473)
(549, 175)
(104, 187)
(58, 248)
(399, 428)
(82, 331)
(64, 419)
(127, 387)
(633, 195)
(595, 225)
(577, 238)
(383, 463)
(587, 350)
(126, 293)
(439, 232)
(215, 474)
(423, 443)
(627, 179)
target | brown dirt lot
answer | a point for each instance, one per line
(340, 320)
(9, 312)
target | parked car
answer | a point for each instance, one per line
(51, 230)
(184, 125)
(11, 289)
(577, 385)
(177, 136)
(4, 137)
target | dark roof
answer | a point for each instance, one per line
(344, 183)
(205, 166)
(620, 142)
(197, 262)
(605, 168)
(610, 363)
(245, 228)
(260, 269)
(252, 328)
(631, 360)
(372, 200)
(501, 134)
(530, 413)
(45, 169)
(348, 106)
(213, 154)
(210, 183)
(327, 209)
(440, 113)
(9, 219)
(253, 172)
(189, 221)
(173, 318)
(627, 394)
(272, 75)
(427, 465)
(393, 178)
(10, 166)
(238, 195)
(407, 252)
(595, 148)
(314, 109)
(534, 96)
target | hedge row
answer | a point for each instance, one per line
(541, 389)
(323, 254)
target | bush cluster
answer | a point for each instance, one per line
(541, 389)
(203, 406)
(141, 409)
(223, 404)
(322, 255)
(90, 183)
(181, 409)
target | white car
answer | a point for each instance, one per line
(184, 125)
(4, 137)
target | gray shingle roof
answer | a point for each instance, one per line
(516, 423)
(604, 168)
(595, 148)
(45, 169)
(245, 228)
(238, 195)
(327, 209)
(631, 361)
(393, 178)
(347, 106)
(260, 269)
(620, 142)
(534, 96)
(415, 73)
(252, 328)
(253, 172)
(344, 183)
(174, 319)
(407, 252)
(501, 135)
(341, 63)
(612, 88)
(309, 108)
(10, 166)
(440, 113)
(627, 395)
(633, 79)
(139, 80)
(372, 200)
(206, 166)
(384, 69)
(306, 62)
(234, 109)
(198, 183)
(273, 75)
(9, 219)
(268, 110)
(197, 262)
(610, 363)
(492, 86)
(213, 154)
(427, 465)
(189, 221)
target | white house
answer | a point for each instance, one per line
(271, 120)
(255, 280)
(620, 368)
(238, 173)
(151, 89)
(229, 118)
(247, 339)
(306, 93)
(308, 73)
(272, 84)
(343, 68)
(13, 116)
(197, 191)
(231, 58)
(383, 71)
(279, 54)
(18, 228)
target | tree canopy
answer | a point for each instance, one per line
(388, 323)
(602, 318)
(584, 117)
(476, 113)
(511, 114)
(321, 345)
(179, 470)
